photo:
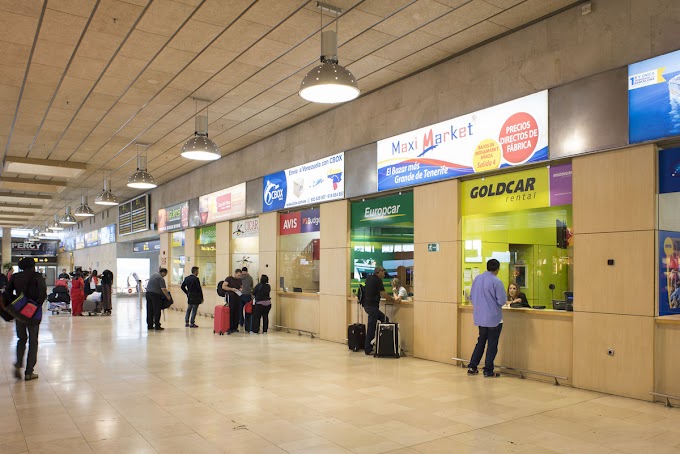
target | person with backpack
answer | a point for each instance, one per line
(374, 289)
(246, 290)
(191, 286)
(232, 286)
(32, 285)
(262, 305)
(107, 289)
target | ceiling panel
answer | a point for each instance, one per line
(135, 71)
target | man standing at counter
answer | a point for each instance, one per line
(488, 297)
(375, 289)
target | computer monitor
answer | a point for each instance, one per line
(569, 297)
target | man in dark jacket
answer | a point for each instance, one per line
(31, 284)
(107, 286)
(192, 289)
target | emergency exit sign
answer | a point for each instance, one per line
(432, 247)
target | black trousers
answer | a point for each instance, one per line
(153, 310)
(490, 336)
(30, 334)
(234, 310)
(260, 312)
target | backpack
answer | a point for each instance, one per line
(361, 293)
(220, 290)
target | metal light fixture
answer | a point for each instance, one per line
(106, 197)
(56, 225)
(67, 218)
(199, 147)
(329, 83)
(84, 211)
(44, 230)
(141, 179)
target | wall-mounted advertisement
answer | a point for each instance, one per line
(505, 135)
(21, 248)
(304, 221)
(146, 246)
(223, 205)
(245, 228)
(107, 234)
(175, 217)
(80, 241)
(654, 98)
(69, 244)
(314, 182)
(669, 272)
(92, 238)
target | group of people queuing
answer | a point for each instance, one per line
(83, 283)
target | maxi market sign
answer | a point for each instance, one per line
(315, 182)
(505, 135)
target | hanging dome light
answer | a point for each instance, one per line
(141, 179)
(329, 83)
(67, 218)
(84, 211)
(36, 231)
(56, 226)
(45, 230)
(106, 197)
(199, 147)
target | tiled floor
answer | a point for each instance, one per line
(106, 386)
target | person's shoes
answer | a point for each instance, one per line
(17, 372)
(229, 332)
(368, 353)
(150, 328)
(491, 375)
(186, 325)
(193, 325)
(236, 331)
(30, 377)
(159, 328)
(472, 371)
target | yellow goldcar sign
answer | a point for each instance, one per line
(513, 191)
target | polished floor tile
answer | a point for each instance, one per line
(108, 386)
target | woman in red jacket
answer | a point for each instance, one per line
(77, 294)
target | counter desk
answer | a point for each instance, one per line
(297, 310)
(540, 340)
(667, 360)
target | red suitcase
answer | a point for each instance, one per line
(221, 319)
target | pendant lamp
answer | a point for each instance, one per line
(141, 179)
(106, 197)
(56, 225)
(329, 83)
(67, 218)
(84, 210)
(44, 230)
(199, 147)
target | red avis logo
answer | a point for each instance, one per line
(519, 137)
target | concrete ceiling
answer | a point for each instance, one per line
(83, 80)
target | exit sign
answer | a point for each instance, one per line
(432, 247)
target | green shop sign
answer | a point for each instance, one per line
(207, 235)
(394, 210)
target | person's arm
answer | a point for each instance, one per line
(501, 296)
(523, 300)
(42, 289)
(226, 288)
(166, 293)
(184, 286)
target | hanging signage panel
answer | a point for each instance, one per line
(318, 181)
(394, 210)
(146, 246)
(506, 135)
(21, 248)
(654, 98)
(133, 216)
(245, 228)
(107, 234)
(223, 205)
(175, 217)
(304, 221)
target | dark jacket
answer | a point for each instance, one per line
(261, 292)
(373, 286)
(192, 288)
(107, 278)
(18, 284)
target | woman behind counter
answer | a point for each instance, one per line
(398, 291)
(515, 296)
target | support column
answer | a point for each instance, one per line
(269, 243)
(6, 245)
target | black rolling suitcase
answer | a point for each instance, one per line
(387, 340)
(356, 333)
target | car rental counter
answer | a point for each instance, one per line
(401, 313)
(537, 340)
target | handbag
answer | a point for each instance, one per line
(25, 309)
(249, 307)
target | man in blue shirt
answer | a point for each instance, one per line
(488, 297)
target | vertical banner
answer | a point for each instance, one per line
(669, 269)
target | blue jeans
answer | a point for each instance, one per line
(374, 314)
(191, 311)
(490, 335)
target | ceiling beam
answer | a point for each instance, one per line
(31, 185)
(45, 167)
(24, 198)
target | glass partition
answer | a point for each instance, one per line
(177, 258)
(206, 255)
(299, 250)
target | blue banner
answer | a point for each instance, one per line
(654, 98)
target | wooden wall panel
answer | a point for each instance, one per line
(333, 318)
(334, 273)
(269, 232)
(538, 341)
(615, 191)
(666, 359)
(436, 274)
(298, 311)
(630, 371)
(335, 224)
(435, 332)
(436, 212)
(268, 267)
(627, 287)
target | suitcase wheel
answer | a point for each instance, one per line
(213, 331)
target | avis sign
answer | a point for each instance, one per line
(304, 221)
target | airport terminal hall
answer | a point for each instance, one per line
(340, 226)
